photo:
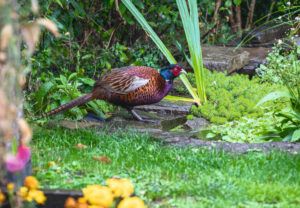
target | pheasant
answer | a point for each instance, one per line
(128, 87)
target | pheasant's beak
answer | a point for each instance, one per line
(183, 71)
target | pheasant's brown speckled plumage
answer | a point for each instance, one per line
(128, 87)
(146, 94)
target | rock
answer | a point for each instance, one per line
(196, 124)
(226, 59)
(167, 108)
(257, 56)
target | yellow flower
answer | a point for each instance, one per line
(120, 187)
(2, 197)
(81, 200)
(23, 191)
(36, 195)
(31, 182)
(132, 202)
(40, 197)
(98, 195)
(94, 206)
(10, 187)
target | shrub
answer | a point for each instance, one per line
(279, 62)
(53, 91)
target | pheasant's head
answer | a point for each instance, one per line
(171, 72)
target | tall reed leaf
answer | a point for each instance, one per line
(190, 21)
(139, 17)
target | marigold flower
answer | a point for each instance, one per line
(10, 187)
(82, 206)
(36, 195)
(98, 195)
(120, 187)
(31, 182)
(2, 197)
(23, 191)
(81, 200)
(40, 197)
(70, 203)
(132, 202)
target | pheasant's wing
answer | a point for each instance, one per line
(121, 82)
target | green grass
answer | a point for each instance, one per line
(167, 176)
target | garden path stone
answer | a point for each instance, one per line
(170, 125)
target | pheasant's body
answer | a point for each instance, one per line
(128, 87)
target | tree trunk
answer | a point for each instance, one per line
(250, 15)
(238, 16)
(216, 13)
(232, 20)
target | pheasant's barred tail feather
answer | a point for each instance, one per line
(78, 101)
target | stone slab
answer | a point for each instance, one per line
(225, 59)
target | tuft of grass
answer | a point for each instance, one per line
(166, 176)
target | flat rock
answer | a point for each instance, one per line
(226, 59)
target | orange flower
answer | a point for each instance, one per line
(120, 187)
(70, 203)
(132, 202)
(2, 197)
(31, 182)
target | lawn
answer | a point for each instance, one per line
(165, 176)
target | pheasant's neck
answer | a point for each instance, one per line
(168, 87)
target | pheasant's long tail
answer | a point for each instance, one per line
(78, 101)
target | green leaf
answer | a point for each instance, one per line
(142, 21)
(296, 136)
(237, 2)
(274, 96)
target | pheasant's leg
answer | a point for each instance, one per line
(136, 115)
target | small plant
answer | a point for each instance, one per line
(289, 126)
(280, 61)
(54, 91)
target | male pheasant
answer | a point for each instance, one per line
(128, 87)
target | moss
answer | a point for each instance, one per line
(230, 97)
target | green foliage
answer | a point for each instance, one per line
(53, 91)
(190, 20)
(231, 97)
(145, 25)
(243, 130)
(279, 64)
(289, 126)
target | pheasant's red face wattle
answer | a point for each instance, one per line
(176, 70)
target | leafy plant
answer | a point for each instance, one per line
(54, 91)
(190, 21)
(279, 62)
(289, 126)
(243, 130)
